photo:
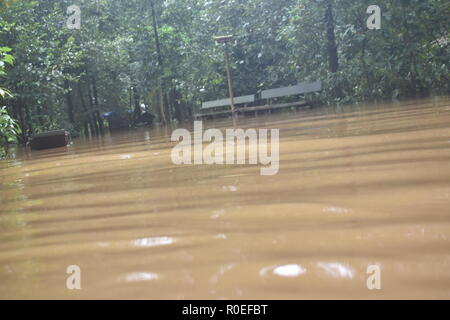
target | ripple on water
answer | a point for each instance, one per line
(288, 270)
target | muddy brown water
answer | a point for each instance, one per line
(357, 186)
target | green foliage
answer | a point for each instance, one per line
(403, 59)
(9, 130)
(5, 58)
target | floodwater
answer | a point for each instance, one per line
(357, 186)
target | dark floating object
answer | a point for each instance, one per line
(49, 140)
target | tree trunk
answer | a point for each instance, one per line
(167, 108)
(97, 105)
(91, 104)
(87, 121)
(131, 97)
(70, 108)
(331, 39)
(155, 32)
(23, 126)
(161, 106)
(137, 104)
(160, 65)
(28, 118)
(175, 101)
(155, 104)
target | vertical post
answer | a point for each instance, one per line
(225, 40)
(230, 79)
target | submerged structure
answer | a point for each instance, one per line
(50, 140)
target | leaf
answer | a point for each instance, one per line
(8, 59)
(5, 93)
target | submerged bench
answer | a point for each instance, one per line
(209, 106)
(49, 140)
(301, 88)
(227, 102)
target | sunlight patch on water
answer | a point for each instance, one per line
(141, 276)
(289, 270)
(126, 156)
(153, 242)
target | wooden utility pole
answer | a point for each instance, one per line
(225, 40)
(331, 39)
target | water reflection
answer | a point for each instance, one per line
(141, 276)
(154, 242)
(290, 270)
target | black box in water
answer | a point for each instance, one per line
(49, 140)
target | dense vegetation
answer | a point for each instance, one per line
(9, 129)
(161, 53)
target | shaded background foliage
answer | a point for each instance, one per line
(161, 53)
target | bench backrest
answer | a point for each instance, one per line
(227, 102)
(301, 88)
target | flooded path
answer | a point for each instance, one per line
(357, 186)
